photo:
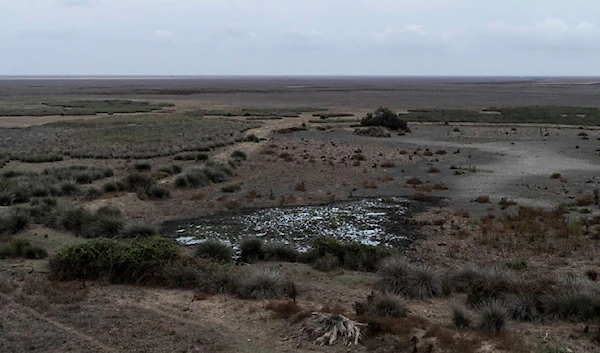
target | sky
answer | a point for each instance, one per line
(300, 37)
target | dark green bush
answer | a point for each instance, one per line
(15, 221)
(241, 155)
(217, 172)
(157, 192)
(101, 226)
(20, 248)
(114, 186)
(109, 211)
(140, 261)
(350, 255)
(92, 194)
(231, 188)
(193, 179)
(386, 118)
(142, 167)
(215, 250)
(69, 189)
(138, 181)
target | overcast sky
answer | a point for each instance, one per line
(300, 37)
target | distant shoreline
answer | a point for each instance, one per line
(271, 77)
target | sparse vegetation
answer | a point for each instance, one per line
(20, 248)
(15, 221)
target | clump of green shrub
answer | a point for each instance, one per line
(195, 178)
(139, 261)
(142, 167)
(218, 172)
(15, 221)
(350, 255)
(114, 186)
(386, 118)
(189, 156)
(214, 250)
(92, 194)
(239, 155)
(231, 188)
(20, 248)
(105, 223)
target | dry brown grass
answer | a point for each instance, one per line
(300, 187)
(421, 196)
(433, 170)
(283, 309)
(369, 185)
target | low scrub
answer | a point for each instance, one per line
(384, 117)
(105, 223)
(20, 248)
(350, 255)
(15, 221)
(140, 261)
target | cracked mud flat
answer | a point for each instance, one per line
(373, 221)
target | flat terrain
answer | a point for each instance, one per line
(467, 191)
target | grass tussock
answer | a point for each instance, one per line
(265, 283)
(381, 306)
(400, 277)
(215, 250)
(494, 316)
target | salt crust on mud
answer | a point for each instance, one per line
(362, 221)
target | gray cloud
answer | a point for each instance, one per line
(452, 37)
